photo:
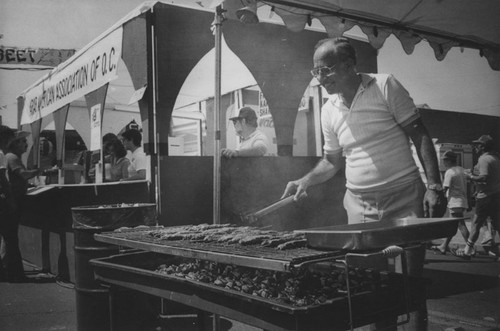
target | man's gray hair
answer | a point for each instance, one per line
(342, 48)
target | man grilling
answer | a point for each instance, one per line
(370, 118)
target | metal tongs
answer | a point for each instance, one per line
(253, 217)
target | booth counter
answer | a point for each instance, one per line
(46, 234)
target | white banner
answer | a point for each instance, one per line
(95, 127)
(89, 71)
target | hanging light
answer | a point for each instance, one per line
(248, 14)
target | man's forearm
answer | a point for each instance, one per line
(326, 168)
(254, 151)
(429, 160)
(140, 175)
(425, 150)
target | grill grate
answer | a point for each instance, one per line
(251, 255)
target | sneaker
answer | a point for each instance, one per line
(491, 251)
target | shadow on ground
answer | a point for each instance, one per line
(446, 283)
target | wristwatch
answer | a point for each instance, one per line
(435, 187)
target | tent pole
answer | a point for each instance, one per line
(217, 135)
(217, 24)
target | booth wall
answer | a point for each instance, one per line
(247, 184)
(46, 234)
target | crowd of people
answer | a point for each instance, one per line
(124, 157)
(14, 182)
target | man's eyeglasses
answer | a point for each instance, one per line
(323, 71)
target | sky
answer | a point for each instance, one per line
(462, 82)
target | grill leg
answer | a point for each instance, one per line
(216, 322)
(111, 297)
(200, 320)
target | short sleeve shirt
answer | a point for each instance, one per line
(456, 182)
(377, 150)
(488, 165)
(257, 140)
(138, 161)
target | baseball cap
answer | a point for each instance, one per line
(484, 139)
(449, 155)
(246, 113)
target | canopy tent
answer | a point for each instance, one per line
(442, 23)
(160, 44)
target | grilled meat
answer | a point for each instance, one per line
(230, 234)
(275, 241)
(293, 244)
(253, 240)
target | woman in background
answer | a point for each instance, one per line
(120, 162)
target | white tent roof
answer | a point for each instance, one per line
(442, 23)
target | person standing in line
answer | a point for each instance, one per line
(13, 270)
(455, 186)
(119, 161)
(253, 142)
(132, 140)
(18, 173)
(107, 139)
(487, 181)
(370, 118)
(96, 155)
(18, 178)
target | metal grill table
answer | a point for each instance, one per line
(136, 271)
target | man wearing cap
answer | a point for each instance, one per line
(455, 186)
(487, 179)
(252, 141)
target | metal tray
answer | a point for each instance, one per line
(379, 235)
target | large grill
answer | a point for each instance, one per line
(348, 310)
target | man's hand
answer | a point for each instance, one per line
(229, 153)
(297, 187)
(434, 203)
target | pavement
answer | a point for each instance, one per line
(463, 295)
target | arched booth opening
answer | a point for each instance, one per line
(279, 61)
